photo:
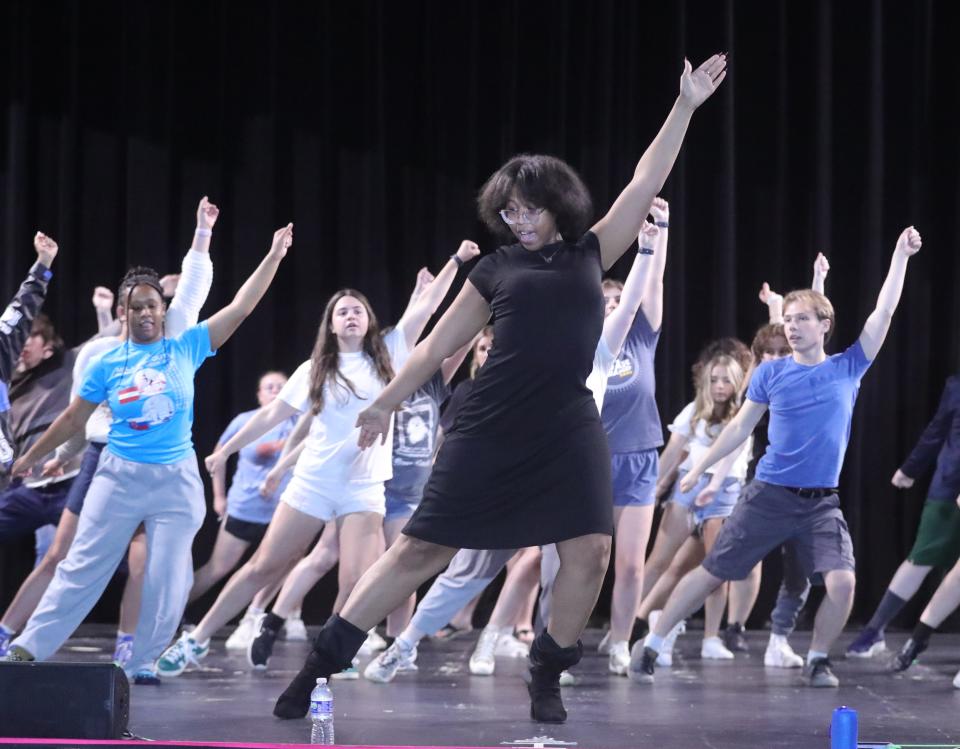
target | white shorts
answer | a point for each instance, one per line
(328, 503)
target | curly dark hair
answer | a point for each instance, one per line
(762, 341)
(726, 346)
(542, 182)
(138, 274)
(325, 359)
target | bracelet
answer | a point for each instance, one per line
(200, 232)
(456, 258)
(663, 224)
(645, 250)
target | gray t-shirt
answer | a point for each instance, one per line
(415, 438)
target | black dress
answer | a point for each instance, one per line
(526, 461)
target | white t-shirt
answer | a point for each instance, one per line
(331, 455)
(597, 380)
(701, 440)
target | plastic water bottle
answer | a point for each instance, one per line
(843, 728)
(321, 713)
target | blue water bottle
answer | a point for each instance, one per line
(843, 728)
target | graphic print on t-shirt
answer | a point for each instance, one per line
(623, 372)
(415, 430)
(147, 396)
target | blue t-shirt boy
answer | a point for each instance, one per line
(149, 388)
(244, 501)
(811, 408)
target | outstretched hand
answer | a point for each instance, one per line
(909, 241)
(467, 250)
(207, 214)
(767, 295)
(282, 241)
(660, 210)
(46, 248)
(373, 422)
(696, 86)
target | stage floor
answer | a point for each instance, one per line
(720, 705)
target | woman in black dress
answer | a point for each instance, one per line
(526, 462)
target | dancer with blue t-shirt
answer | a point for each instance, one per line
(146, 474)
(794, 497)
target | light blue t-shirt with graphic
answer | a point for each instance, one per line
(244, 501)
(149, 388)
(811, 408)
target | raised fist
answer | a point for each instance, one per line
(660, 210)
(46, 248)
(102, 299)
(282, 240)
(909, 241)
(207, 214)
(821, 265)
(769, 296)
(467, 250)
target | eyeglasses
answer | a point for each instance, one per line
(512, 216)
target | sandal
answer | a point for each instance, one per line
(449, 632)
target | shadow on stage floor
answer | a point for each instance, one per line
(715, 704)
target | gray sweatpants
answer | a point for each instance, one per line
(168, 500)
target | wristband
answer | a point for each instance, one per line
(663, 224)
(203, 232)
(645, 250)
(456, 258)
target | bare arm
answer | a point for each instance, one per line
(616, 230)
(415, 319)
(223, 324)
(292, 448)
(103, 305)
(774, 302)
(458, 326)
(617, 324)
(452, 363)
(718, 475)
(821, 267)
(670, 459)
(259, 424)
(68, 423)
(732, 436)
(877, 325)
(652, 304)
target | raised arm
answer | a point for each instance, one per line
(415, 318)
(192, 286)
(103, 305)
(616, 230)
(68, 423)
(18, 317)
(877, 325)
(774, 302)
(223, 324)
(732, 437)
(821, 267)
(617, 324)
(458, 326)
(259, 424)
(652, 304)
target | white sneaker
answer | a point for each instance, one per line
(713, 648)
(604, 647)
(779, 654)
(567, 679)
(619, 658)
(373, 644)
(665, 657)
(482, 662)
(294, 630)
(389, 663)
(509, 646)
(245, 632)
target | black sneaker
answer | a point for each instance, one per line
(907, 655)
(643, 661)
(733, 638)
(818, 674)
(261, 647)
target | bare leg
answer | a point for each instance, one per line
(133, 588)
(399, 618)
(227, 551)
(688, 556)
(834, 609)
(392, 578)
(717, 601)
(633, 533)
(743, 595)
(361, 543)
(583, 563)
(287, 536)
(308, 572)
(522, 578)
(907, 579)
(673, 530)
(945, 600)
(31, 591)
(687, 597)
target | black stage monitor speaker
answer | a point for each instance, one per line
(63, 700)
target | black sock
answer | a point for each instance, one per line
(639, 631)
(389, 640)
(890, 606)
(921, 633)
(273, 622)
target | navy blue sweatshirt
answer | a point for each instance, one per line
(940, 441)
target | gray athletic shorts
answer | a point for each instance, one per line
(766, 517)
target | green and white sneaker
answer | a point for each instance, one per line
(17, 654)
(181, 654)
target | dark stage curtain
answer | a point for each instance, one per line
(371, 126)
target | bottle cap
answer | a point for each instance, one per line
(321, 680)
